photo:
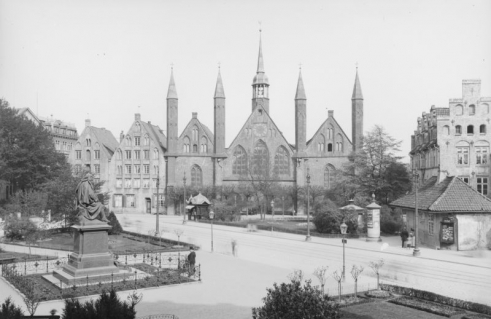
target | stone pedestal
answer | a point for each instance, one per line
(91, 256)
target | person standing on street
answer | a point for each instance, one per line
(191, 261)
(404, 236)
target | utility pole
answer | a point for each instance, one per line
(157, 230)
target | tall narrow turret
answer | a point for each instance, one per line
(219, 104)
(260, 84)
(172, 136)
(300, 117)
(357, 114)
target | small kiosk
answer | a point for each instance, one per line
(355, 209)
(197, 207)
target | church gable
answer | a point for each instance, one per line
(259, 137)
(196, 138)
(329, 140)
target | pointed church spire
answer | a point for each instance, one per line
(357, 95)
(171, 92)
(219, 92)
(260, 62)
(300, 95)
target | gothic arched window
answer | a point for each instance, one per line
(472, 109)
(195, 133)
(128, 140)
(339, 143)
(196, 176)
(321, 144)
(329, 173)
(282, 162)
(155, 153)
(239, 166)
(204, 145)
(119, 154)
(186, 145)
(146, 140)
(260, 159)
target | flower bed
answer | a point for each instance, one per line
(381, 294)
(428, 306)
(351, 301)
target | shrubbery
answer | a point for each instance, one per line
(390, 220)
(329, 218)
(114, 222)
(294, 300)
(108, 306)
(9, 310)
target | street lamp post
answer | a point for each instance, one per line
(308, 205)
(184, 183)
(272, 209)
(212, 214)
(344, 228)
(157, 222)
(416, 251)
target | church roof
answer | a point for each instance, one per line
(450, 195)
(322, 125)
(205, 128)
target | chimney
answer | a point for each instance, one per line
(330, 113)
(195, 115)
(87, 122)
(137, 117)
(121, 137)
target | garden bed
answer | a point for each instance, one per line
(45, 290)
(428, 306)
(379, 294)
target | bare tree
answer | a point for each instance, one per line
(376, 266)
(338, 278)
(355, 273)
(134, 298)
(178, 233)
(31, 299)
(320, 273)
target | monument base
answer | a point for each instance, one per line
(91, 255)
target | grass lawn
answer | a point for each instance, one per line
(385, 310)
(21, 256)
(64, 241)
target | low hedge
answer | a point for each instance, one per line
(444, 300)
(428, 306)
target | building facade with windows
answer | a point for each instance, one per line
(259, 150)
(138, 169)
(455, 140)
(93, 151)
(64, 134)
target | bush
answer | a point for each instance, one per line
(17, 229)
(293, 301)
(114, 222)
(390, 220)
(327, 222)
(108, 306)
(8, 310)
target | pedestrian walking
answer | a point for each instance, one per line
(412, 238)
(191, 261)
(404, 236)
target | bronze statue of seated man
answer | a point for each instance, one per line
(88, 204)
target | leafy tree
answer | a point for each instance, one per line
(294, 300)
(28, 157)
(107, 306)
(114, 222)
(375, 168)
(23, 228)
(8, 310)
(390, 220)
(328, 218)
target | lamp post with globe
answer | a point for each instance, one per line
(343, 228)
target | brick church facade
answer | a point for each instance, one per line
(259, 149)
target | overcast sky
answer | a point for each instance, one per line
(107, 60)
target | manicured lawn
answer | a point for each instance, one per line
(385, 310)
(64, 241)
(21, 256)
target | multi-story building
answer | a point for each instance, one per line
(138, 169)
(64, 134)
(93, 151)
(454, 140)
